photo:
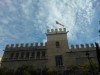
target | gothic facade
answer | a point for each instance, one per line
(55, 53)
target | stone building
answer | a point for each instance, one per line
(55, 53)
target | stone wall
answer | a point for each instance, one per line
(20, 54)
(71, 55)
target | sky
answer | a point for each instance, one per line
(26, 21)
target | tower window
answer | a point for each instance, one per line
(59, 60)
(57, 44)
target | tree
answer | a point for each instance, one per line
(45, 71)
(26, 70)
(6, 71)
(73, 69)
(83, 69)
(52, 71)
(86, 69)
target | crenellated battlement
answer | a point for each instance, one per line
(57, 48)
(60, 30)
(27, 45)
(82, 46)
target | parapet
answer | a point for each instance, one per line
(17, 45)
(7, 46)
(87, 45)
(21, 45)
(82, 46)
(77, 46)
(92, 45)
(53, 31)
(12, 45)
(27, 45)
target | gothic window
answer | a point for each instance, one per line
(27, 55)
(17, 55)
(22, 55)
(38, 55)
(43, 54)
(59, 60)
(33, 55)
(57, 44)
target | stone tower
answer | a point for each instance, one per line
(54, 54)
(57, 45)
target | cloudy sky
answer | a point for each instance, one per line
(26, 21)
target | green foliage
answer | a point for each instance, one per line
(52, 71)
(45, 71)
(26, 70)
(83, 69)
(73, 67)
(6, 71)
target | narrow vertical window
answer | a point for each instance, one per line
(22, 55)
(27, 55)
(38, 55)
(43, 54)
(12, 56)
(59, 60)
(17, 55)
(57, 44)
(33, 55)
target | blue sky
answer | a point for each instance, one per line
(26, 21)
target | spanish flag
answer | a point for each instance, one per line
(59, 23)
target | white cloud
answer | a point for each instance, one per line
(65, 11)
(20, 18)
(44, 40)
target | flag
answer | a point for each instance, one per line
(59, 23)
